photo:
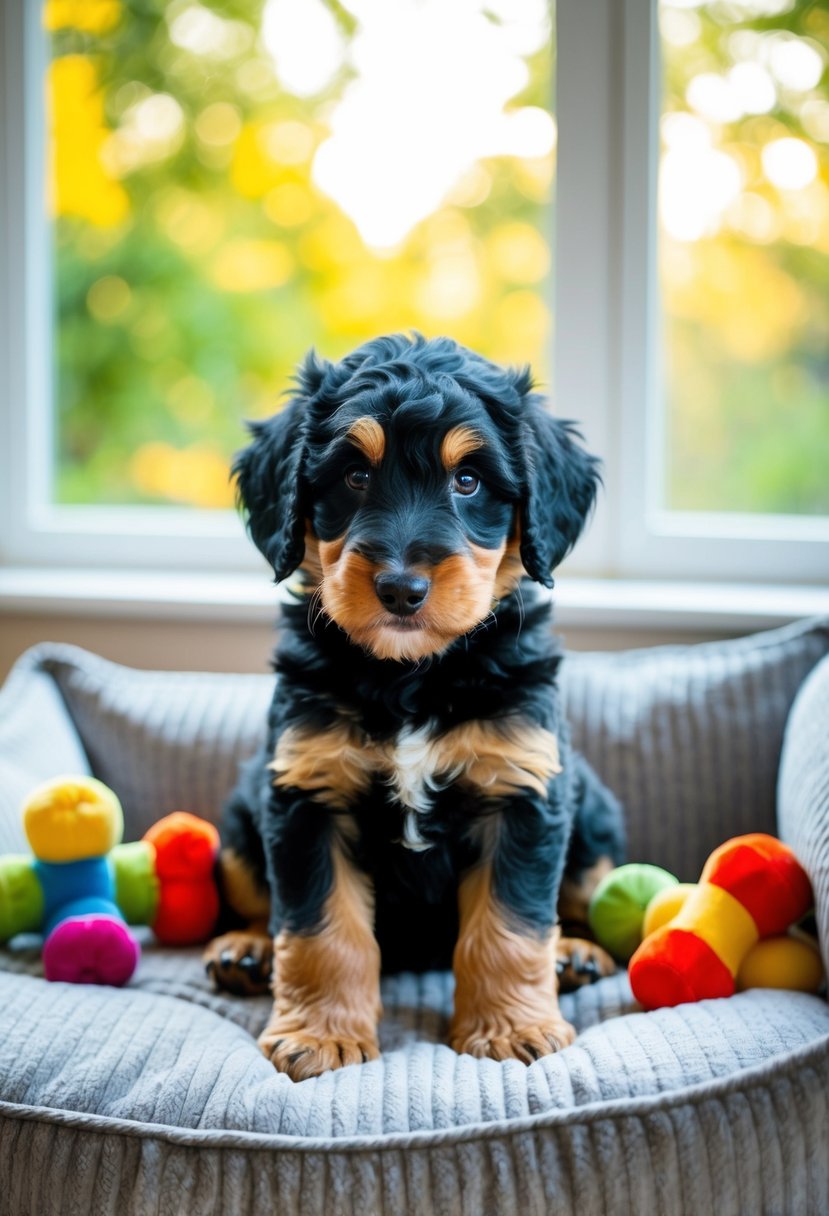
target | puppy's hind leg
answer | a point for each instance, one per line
(241, 959)
(596, 846)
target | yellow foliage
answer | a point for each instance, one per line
(249, 265)
(197, 476)
(522, 329)
(252, 174)
(78, 182)
(519, 252)
(89, 16)
(262, 152)
(289, 205)
(738, 292)
(451, 288)
(218, 124)
(333, 243)
(359, 301)
(193, 222)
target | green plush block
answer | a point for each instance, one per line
(21, 897)
(617, 909)
(136, 884)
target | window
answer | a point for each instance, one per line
(744, 257)
(724, 332)
(230, 185)
(220, 200)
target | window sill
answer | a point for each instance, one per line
(581, 603)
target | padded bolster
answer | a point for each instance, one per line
(38, 739)
(803, 790)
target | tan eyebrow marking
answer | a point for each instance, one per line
(368, 435)
(457, 444)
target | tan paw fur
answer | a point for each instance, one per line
(301, 1054)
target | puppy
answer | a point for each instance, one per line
(417, 804)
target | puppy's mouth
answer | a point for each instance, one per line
(403, 624)
(412, 616)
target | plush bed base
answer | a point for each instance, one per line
(155, 1098)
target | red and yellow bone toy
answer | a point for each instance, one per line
(750, 888)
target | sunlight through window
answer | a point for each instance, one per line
(233, 184)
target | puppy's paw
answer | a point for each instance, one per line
(240, 962)
(507, 1042)
(579, 962)
(301, 1054)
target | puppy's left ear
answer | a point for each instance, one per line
(269, 487)
(560, 489)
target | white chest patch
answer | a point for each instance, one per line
(415, 774)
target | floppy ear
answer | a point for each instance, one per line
(560, 489)
(269, 487)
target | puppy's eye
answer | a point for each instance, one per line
(357, 478)
(466, 482)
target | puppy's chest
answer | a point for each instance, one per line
(415, 767)
(492, 759)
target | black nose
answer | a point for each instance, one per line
(402, 593)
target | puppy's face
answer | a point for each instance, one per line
(412, 518)
(415, 483)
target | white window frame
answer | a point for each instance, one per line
(607, 319)
(606, 347)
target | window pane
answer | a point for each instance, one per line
(744, 255)
(233, 183)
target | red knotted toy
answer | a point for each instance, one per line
(751, 887)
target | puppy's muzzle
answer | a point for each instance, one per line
(402, 592)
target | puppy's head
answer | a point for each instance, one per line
(415, 483)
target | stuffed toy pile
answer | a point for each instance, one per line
(82, 889)
(732, 930)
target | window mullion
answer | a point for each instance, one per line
(640, 450)
(587, 70)
(13, 284)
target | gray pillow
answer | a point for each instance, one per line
(689, 737)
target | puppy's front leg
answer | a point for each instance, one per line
(506, 993)
(326, 982)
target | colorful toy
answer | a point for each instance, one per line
(664, 906)
(782, 962)
(752, 887)
(617, 909)
(82, 888)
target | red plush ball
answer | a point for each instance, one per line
(188, 901)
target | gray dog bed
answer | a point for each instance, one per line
(155, 1098)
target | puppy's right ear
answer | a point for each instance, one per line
(269, 487)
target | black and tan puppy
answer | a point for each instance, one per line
(417, 803)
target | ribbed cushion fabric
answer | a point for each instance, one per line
(127, 1103)
(177, 1059)
(688, 737)
(155, 1098)
(674, 1108)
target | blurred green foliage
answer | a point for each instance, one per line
(746, 300)
(196, 261)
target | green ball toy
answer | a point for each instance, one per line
(617, 909)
